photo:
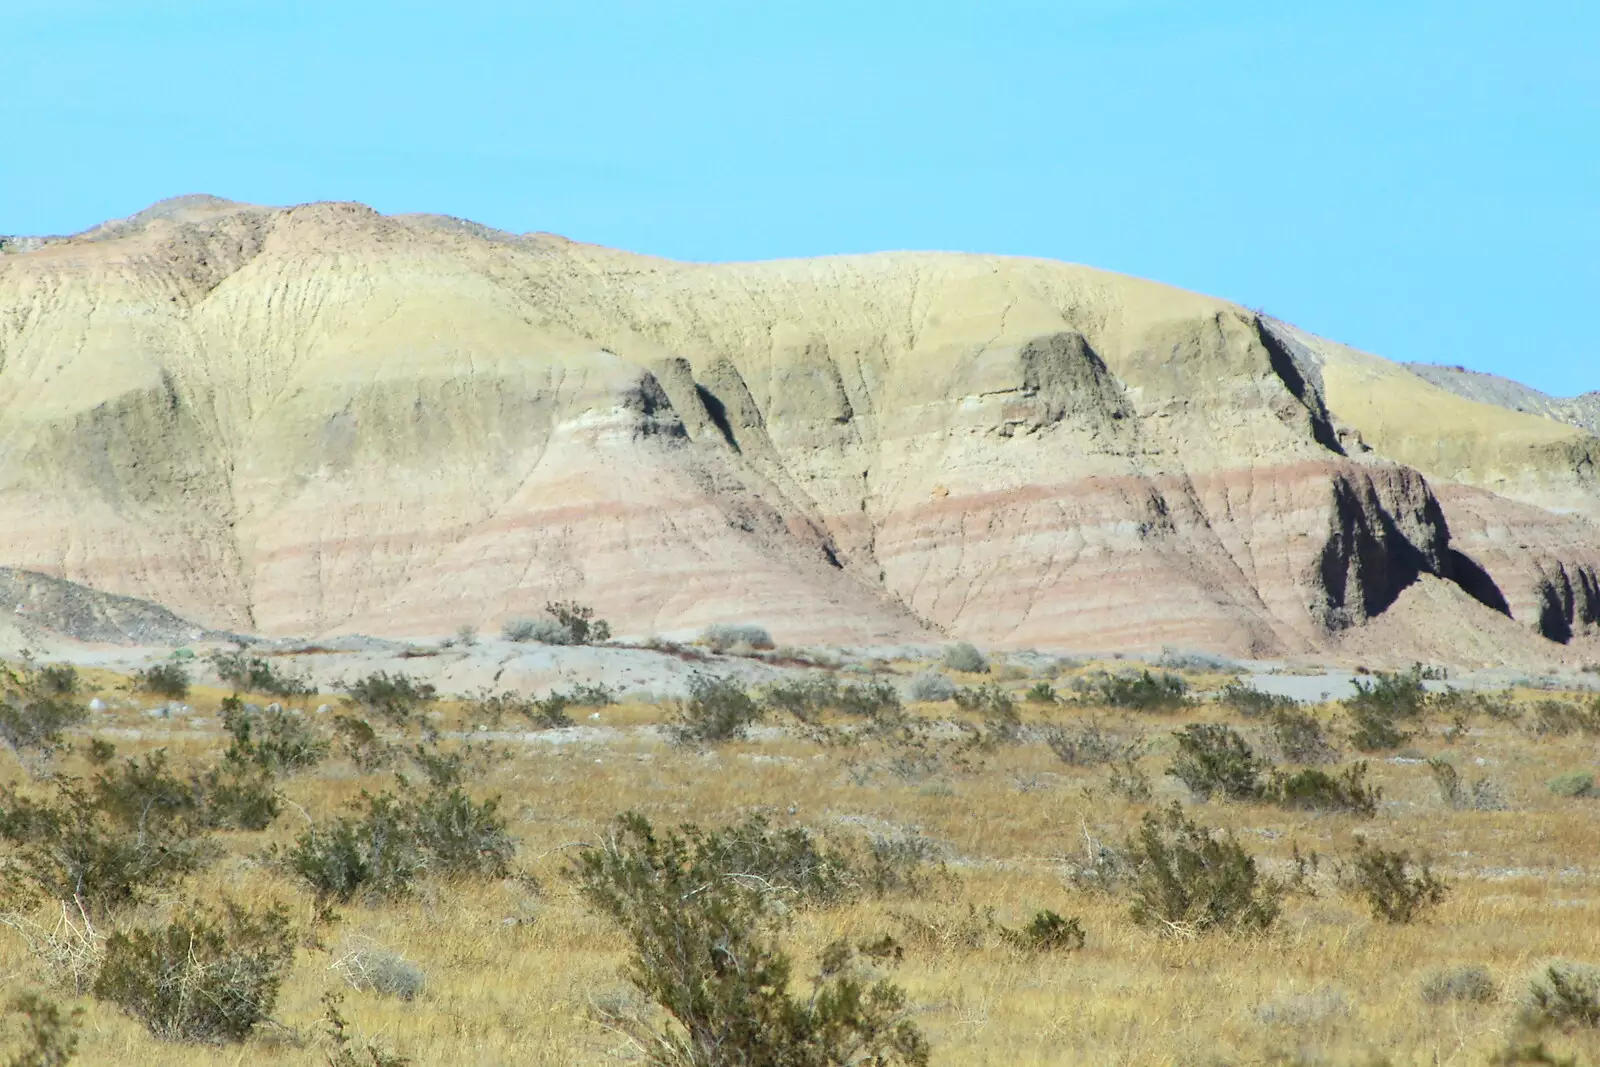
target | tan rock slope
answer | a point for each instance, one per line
(320, 419)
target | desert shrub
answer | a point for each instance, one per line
(257, 674)
(1254, 703)
(703, 950)
(1042, 693)
(541, 631)
(344, 1049)
(1397, 695)
(170, 680)
(1300, 737)
(1138, 691)
(396, 697)
(965, 658)
(1310, 789)
(550, 713)
(722, 636)
(94, 847)
(1480, 795)
(789, 861)
(391, 839)
(1470, 983)
(1395, 888)
(718, 710)
(1561, 718)
(37, 705)
(930, 687)
(374, 969)
(360, 743)
(237, 797)
(1573, 784)
(877, 701)
(898, 864)
(1188, 879)
(1372, 729)
(1563, 994)
(997, 707)
(1213, 759)
(1092, 745)
(1047, 932)
(49, 1036)
(208, 975)
(276, 741)
(806, 697)
(579, 622)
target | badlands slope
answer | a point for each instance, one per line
(323, 420)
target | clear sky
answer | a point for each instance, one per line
(1420, 178)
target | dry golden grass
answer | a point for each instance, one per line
(512, 967)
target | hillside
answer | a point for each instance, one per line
(322, 420)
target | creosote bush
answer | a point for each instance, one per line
(168, 680)
(395, 697)
(1397, 889)
(49, 1036)
(209, 975)
(275, 740)
(1480, 794)
(1137, 690)
(1214, 759)
(1381, 705)
(249, 673)
(1299, 736)
(704, 951)
(1310, 789)
(722, 636)
(718, 710)
(1188, 879)
(1254, 703)
(1092, 745)
(37, 704)
(965, 658)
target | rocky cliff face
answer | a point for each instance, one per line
(320, 419)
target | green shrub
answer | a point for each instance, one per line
(257, 674)
(1001, 719)
(275, 740)
(1138, 691)
(1186, 878)
(718, 710)
(542, 631)
(1396, 889)
(461, 837)
(1398, 695)
(1467, 984)
(1254, 703)
(37, 705)
(360, 743)
(1313, 790)
(1092, 745)
(965, 658)
(1573, 784)
(930, 687)
(1561, 718)
(806, 697)
(1042, 693)
(702, 950)
(168, 680)
(1047, 932)
(1213, 759)
(1563, 994)
(205, 976)
(94, 848)
(1480, 795)
(1373, 730)
(396, 697)
(1299, 737)
(720, 637)
(579, 622)
(49, 1037)
(877, 701)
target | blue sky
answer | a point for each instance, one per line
(1421, 179)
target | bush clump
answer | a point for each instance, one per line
(965, 658)
(1138, 691)
(1562, 718)
(1573, 784)
(208, 975)
(1480, 794)
(37, 705)
(399, 698)
(1212, 759)
(374, 969)
(998, 708)
(276, 741)
(722, 636)
(1397, 889)
(703, 950)
(1310, 789)
(1092, 745)
(1299, 737)
(1188, 879)
(1381, 705)
(1469, 983)
(380, 850)
(49, 1036)
(257, 674)
(718, 709)
(170, 680)
(1254, 703)
(1563, 994)
(930, 687)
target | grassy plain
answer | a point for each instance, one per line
(514, 967)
